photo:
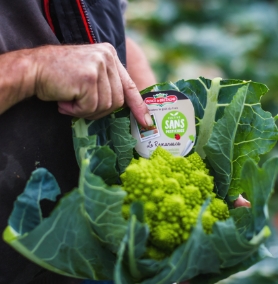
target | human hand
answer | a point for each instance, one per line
(88, 81)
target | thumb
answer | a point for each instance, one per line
(242, 202)
(133, 98)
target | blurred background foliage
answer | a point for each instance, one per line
(185, 39)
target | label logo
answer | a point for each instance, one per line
(161, 99)
(174, 124)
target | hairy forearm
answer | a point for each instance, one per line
(17, 78)
(138, 66)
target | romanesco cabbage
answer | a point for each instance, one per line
(172, 190)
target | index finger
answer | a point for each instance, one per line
(133, 98)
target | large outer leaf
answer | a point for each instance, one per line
(27, 213)
(83, 233)
(231, 126)
(264, 272)
(65, 242)
(244, 132)
(260, 254)
(259, 184)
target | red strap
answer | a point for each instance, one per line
(47, 14)
(91, 40)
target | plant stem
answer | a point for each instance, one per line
(207, 123)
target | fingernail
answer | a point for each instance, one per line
(148, 119)
(247, 203)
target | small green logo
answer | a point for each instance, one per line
(174, 124)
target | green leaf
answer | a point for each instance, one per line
(104, 206)
(242, 217)
(231, 247)
(123, 142)
(132, 248)
(244, 132)
(71, 241)
(65, 242)
(114, 132)
(265, 271)
(258, 184)
(103, 164)
(260, 254)
(27, 212)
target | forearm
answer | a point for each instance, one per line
(16, 78)
(138, 66)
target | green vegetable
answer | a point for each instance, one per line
(172, 190)
(86, 235)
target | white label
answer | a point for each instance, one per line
(173, 124)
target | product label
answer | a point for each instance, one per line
(173, 124)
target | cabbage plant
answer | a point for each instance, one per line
(86, 235)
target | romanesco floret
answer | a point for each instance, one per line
(172, 190)
(216, 211)
(197, 162)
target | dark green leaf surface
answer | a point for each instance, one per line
(65, 242)
(260, 254)
(132, 249)
(103, 164)
(71, 241)
(103, 206)
(27, 213)
(244, 132)
(114, 132)
(123, 143)
(264, 272)
(258, 184)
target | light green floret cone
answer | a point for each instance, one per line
(172, 190)
(216, 211)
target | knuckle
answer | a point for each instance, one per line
(119, 103)
(100, 58)
(108, 104)
(108, 45)
(89, 78)
(93, 107)
(140, 104)
(130, 85)
(109, 48)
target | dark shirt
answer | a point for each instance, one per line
(32, 134)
